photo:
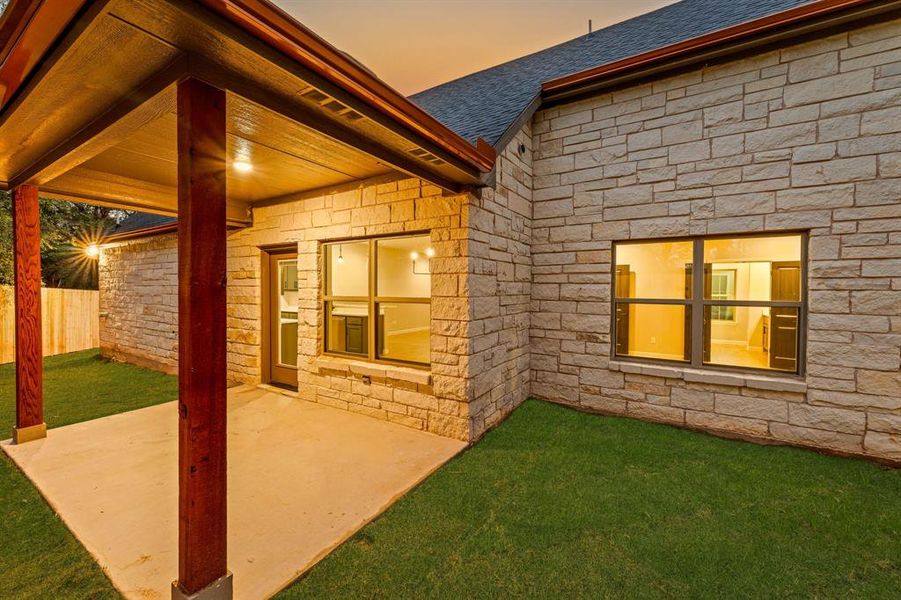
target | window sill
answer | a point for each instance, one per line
(761, 382)
(362, 368)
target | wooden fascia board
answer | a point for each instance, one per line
(29, 30)
(276, 28)
(290, 109)
(42, 23)
(203, 69)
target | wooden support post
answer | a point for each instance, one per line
(202, 571)
(29, 350)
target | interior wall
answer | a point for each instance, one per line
(657, 271)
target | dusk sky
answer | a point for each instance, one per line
(416, 44)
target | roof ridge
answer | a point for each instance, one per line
(484, 103)
(555, 46)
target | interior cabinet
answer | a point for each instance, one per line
(355, 335)
(349, 333)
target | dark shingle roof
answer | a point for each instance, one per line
(486, 103)
(140, 220)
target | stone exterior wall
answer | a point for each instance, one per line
(436, 403)
(139, 302)
(807, 137)
(499, 288)
(802, 138)
(480, 303)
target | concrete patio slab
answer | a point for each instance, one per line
(302, 478)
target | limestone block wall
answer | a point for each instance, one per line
(139, 302)
(480, 303)
(436, 403)
(807, 137)
(499, 287)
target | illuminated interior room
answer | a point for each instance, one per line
(655, 288)
(397, 284)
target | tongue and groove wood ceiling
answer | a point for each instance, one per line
(97, 119)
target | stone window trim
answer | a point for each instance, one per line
(713, 376)
(372, 300)
(365, 368)
(698, 301)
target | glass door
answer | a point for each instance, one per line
(283, 306)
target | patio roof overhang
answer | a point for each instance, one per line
(88, 105)
(152, 105)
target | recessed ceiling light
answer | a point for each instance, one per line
(242, 166)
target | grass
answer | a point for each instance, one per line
(39, 557)
(81, 386)
(556, 503)
(553, 503)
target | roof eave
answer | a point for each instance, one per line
(30, 28)
(139, 233)
(788, 21)
(282, 32)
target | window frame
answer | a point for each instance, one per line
(697, 303)
(730, 278)
(371, 300)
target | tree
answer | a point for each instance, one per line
(66, 228)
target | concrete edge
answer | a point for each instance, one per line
(91, 550)
(378, 513)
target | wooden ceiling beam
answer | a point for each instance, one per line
(116, 191)
(148, 103)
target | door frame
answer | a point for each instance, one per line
(266, 254)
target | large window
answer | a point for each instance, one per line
(377, 298)
(733, 302)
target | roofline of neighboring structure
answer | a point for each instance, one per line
(142, 232)
(29, 28)
(597, 77)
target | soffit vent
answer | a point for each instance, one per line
(426, 156)
(314, 95)
(329, 103)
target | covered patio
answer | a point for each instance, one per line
(203, 110)
(327, 473)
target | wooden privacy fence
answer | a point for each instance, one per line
(70, 318)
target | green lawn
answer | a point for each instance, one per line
(82, 386)
(553, 503)
(556, 503)
(39, 557)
